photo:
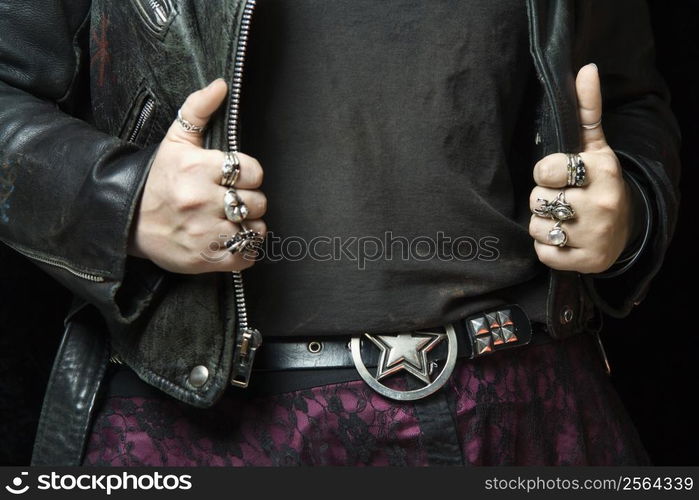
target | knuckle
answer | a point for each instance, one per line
(198, 233)
(189, 160)
(609, 202)
(185, 199)
(604, 230)
(609, 167)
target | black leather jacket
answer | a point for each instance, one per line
(88, 89)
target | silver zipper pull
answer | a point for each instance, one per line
(247, 343)
(159, 11)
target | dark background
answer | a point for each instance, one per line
(654, 357)
(654, 353)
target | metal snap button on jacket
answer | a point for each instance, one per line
(567, 315)
(198, 376)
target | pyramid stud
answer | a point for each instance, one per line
(483, 345)
(508, 334)
(479, 327)
(492, 320)
(505, 317)
(497, 336)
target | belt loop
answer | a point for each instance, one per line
(440, 435)
(69, 401)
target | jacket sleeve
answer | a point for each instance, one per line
(68, 192)
(642, 130)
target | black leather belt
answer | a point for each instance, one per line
(285, 364)
(428, 355)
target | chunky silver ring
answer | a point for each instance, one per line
(187, 126)
(244, 241)
(230, 170)
(576, 170)
(591, 126)
(236, 211)
(558, 209)
(557, 236)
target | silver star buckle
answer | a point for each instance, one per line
(406, 352)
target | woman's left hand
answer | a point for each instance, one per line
(603, 222)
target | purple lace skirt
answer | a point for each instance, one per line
(550, 404)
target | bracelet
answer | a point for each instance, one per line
(629, 257)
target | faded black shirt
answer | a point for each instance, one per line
(389, 132)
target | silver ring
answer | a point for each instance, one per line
(557, 236)
(236, 211)
(187, 126)
(230, 170)
(558, 209)
(591, 126)
(576, 170)
(244, 241)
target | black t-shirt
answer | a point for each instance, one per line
(389, 133)
(391, 119)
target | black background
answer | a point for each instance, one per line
(654, 352)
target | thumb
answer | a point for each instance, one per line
(587, 87)
(197, 110)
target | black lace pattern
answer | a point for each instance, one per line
(544, 405)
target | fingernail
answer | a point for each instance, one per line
(594, 66)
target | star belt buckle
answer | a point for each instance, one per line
(406, 352)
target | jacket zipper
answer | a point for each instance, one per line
(238, 63)
(233, 120)
(233, 145)
(155, 13)
(145, 114)
(159, 11)
(57, 263)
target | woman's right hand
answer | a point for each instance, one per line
(181, 213)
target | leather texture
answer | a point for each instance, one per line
(74, 383)
(284, 354)
(74, 75)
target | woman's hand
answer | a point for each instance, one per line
(181, 214)
(603, 223)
